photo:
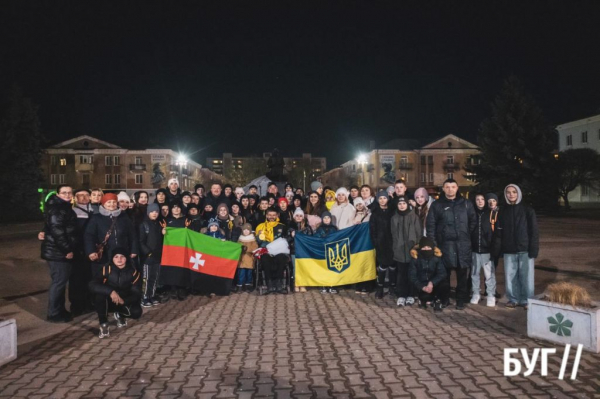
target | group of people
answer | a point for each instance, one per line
(108, 247)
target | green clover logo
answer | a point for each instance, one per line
(560, 326)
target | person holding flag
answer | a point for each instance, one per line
(273, 264)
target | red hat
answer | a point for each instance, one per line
(108, 197)
(282, 199)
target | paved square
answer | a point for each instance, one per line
(301, 345)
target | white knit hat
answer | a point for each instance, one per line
(173, 180)
(341, 190)
(123, 197)
(298, 211)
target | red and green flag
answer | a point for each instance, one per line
(204, 263)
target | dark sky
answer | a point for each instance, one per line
(305, 76)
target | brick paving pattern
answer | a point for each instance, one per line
(303, 346)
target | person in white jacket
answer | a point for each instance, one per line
(342, 211)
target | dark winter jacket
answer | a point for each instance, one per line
(381, 235)
(517, 231)
(151, 240)
(123, 234)
(481, 238)
(406, 232)
(180, 222)
(257, 218)
(421, 271)
(216, 201)
(450, 224)
(62, 235)
(324, 230)
(297, 227)
(173, 198)
(127, 282)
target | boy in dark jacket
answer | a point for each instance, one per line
(151, 245)
(381, 235)
(481, 244)
(427, 274)
(117, 289)
(326, 227)
(517, 237)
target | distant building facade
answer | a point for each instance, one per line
(582, 133)
(419, 166)
(87, 162)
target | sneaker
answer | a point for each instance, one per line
(491, 301)
(155, 301)
(121, 321)
(437, 306)
(324, 291)
(104, 331)
(511, 305)
(475, 299)
(364, 291)
(146, 303)
(422, 305)
(460, 305)
(497, 295)
(379, 293)
(410, 301)
(333, 290)
(401, 301)
(445, 304)
(303, 289)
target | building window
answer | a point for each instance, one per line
(53, 179)
(117, 161)
(139, 179)
(63, 162)
(61, 179)
(117, 179)
(87, 159)
(403, 160)
(430, 159)
(450, 159)
(108, 161)
(53, 160)
(570, 139)
(431, 178)
(423, 159)
(138, 160)
(422, 177)
(584, 137)
(585, 190)
(107, 179)
(450, 175)
(85, 179)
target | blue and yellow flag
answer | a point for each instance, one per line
(344, 257)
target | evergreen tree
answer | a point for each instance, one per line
(516, 147)
(20, 157)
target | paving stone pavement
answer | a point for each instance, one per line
(301, 346)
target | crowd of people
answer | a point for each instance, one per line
(107, 248)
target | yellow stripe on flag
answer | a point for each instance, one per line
(314, 272)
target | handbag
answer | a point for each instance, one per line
(100, 247)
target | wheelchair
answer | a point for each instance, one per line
(260, 280)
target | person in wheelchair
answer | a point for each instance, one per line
(273, 266)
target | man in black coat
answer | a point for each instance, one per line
(151, 246)
(216, 196)
(517, 237)
(450, 222)
(381, 235)
(81, 274)
(58, 249)
(481, 243)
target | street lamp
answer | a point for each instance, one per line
(182, 163)
(362, 162)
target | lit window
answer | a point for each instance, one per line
(63, 162)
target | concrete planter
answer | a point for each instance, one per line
(8, 340)
(564, 324)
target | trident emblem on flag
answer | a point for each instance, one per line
(338, 255)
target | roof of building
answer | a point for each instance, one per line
(400, 144)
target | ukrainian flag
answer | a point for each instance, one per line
(344, 257)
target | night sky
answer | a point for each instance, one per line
(304, 76)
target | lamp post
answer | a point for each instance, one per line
(181, 162)
(362, 162)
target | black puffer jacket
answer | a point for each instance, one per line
(60, 228)
(123, 234)
(482, 236)
(517, 231)
(151, 240)
(450, 224)
(381, 234)
(127, 282)
(421, 271)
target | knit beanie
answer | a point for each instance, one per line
(422, 191)
(247, 226)
(213, 222)
(282, 199)
(298, 211)
(152, 208)
(490, 196)
(108, 197)
(173, 180)
(123, 196)
(325, 214)
(341, 190)
(382, 194)
(426, 242)
(315, 185)
(358, 200)
(119, 251)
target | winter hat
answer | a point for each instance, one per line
(107, 197)
(239, 190)
(193, 206)
(119, 251)
(358, 200)
(519, 194)
(247, 226)
(382, 194)
(213, 222)
(197, 186)
(153, 208)
(423, 192)
(297, 197)
(289, 195)
(402, 199)
(177, 203)
(316, 185)
(123, 196)
(329, 193)
(221, 206)
(81, 190)
(298, 211)
(325, 214)
(390, 188)
(161, 190)
(186, 194)
(227, 186)
(342, 190)
(490, 196)
(173, 180)
(426, 242)
(282, 199)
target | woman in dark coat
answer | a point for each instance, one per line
(381, 235)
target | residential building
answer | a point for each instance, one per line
(87, 162)
(582, 133)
